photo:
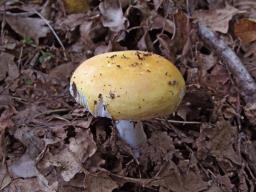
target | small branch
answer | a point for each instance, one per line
(243, 78)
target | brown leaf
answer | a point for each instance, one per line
(113, 16)
(172, 179)
(211, 141)
(157, 148)
(76, 6)
(24, 167)
(245, 30)
(250, 112)
(5, 61)
(182, 30)
(83, 145)
(100, 182)
(28, 26)
(218, 19)
(23, 185)
(70, 159)
(5, 123)
(62, 72)
(5, 179)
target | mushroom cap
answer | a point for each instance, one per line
(128, 85)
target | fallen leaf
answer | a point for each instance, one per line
(24, 167)
(70, 159)
(13, 71)
(113, 16)
(5, 178)
(5, 123)
(70, 22)
(62, 72)
(82, 146)
(99, 182)
(245, 30)
(5, 61)
(157, 148)
(76, 6)
(26, 26)
(28, 138)
(217, 19)
(211, 142)
(172, 179)
(24, 185)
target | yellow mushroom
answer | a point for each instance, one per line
(128, 86)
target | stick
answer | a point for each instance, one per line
(243, 78)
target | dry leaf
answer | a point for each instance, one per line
(245, 30)
(28, 26)
(172, 179)
(5, 123)
(211, 141)
(62, 72)
(24, 167)
(100, 182)
(5, 179)
(76, 6)
(218, 19)
(83, 145)
(5, 61)
(70, 159)
(23, 185)
(113, 16)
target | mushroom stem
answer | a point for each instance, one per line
(131, 132)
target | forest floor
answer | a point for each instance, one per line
(50, 143)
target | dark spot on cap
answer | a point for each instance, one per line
(148, 70)
(100, 96)
(118, 66)
(112, 56)
(124, 57)
(166, 73)
(172, 82)
(74, 89)
(112, 95)
(139, 55)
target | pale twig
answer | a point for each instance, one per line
(179, 122)
(53, 31)
(243, 78)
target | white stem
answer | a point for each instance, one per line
(131, 132)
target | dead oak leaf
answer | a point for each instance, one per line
(70, 159)
(172, 179)
(6, 62)
(217, 19)
(24, 167)
(211, 142)
(245, 30)
(100, 182)
(27, 26)
(113, 16)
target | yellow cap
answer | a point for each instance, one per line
(128, 85)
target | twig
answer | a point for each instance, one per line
(243, 78)
(53, 31)
(180, 122)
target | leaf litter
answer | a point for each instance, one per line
(50, 143)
